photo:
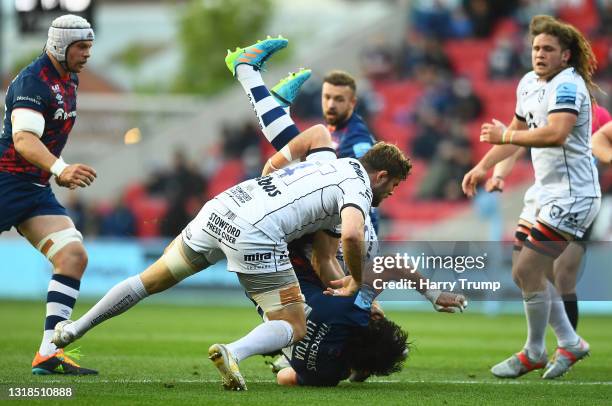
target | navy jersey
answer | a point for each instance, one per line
(39, 87)
(318, 358)
(352, 139)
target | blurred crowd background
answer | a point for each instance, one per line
(429, 73)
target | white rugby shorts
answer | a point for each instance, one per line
(217, 232)
(572, 215)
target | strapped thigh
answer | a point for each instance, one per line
(54, 242)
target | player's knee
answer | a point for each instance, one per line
(71, 260)
(286, 377)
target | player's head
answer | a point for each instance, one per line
(557, 45)
(387, 166)
(69, 42)
(338, 97)
(379, 349)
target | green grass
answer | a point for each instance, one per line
(156, 354)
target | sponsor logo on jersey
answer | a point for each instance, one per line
(258, 256)
(36, 100)
(566, 93)
(55, 88)
(240, 194)
(357, 169)
(60, 114)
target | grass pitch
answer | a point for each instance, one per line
(156, 354)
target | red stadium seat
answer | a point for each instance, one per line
(149, 212)
(229, 174)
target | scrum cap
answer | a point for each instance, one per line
(65, 31)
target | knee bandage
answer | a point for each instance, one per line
(182, 261)
(54, 242)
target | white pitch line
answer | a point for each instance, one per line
(412, 381)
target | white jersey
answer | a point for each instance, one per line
(567, 170)
(302, 198)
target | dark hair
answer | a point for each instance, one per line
(581, 58)
(340, 78)
(380, 349)
(387, 157)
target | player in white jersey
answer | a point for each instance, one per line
(251, 223)
(553, 117)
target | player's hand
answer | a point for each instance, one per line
(491, 133)
(472, 179)
(450, 302)
(376, 311)
(76, 175)
(495, 184)
(342, 287)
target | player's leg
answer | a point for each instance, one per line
(577, 214)
(177, 263)
(56, 237)
(278, 295)
(567, 267)
(245, 64)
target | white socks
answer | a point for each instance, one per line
(276, 124)
(120, 298)
(566, 336)
(537, 309)
(265, 338)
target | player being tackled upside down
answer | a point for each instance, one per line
(251, 224)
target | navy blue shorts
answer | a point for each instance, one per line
(21, 200)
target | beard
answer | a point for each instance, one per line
(336, 119)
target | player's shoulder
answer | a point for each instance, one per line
(528, 80)
(569, 75)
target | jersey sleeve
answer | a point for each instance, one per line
(361, 141)
(356, 194)
(567, 96)
(31, 93)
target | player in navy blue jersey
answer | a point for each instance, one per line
(40, 111)
(350, 134)
(341, 337)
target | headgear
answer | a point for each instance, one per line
(65, 31)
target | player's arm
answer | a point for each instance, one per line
(502, 170)
(28, 126)
(602, 144)
(352, 246)
(313, 138)
(324, 261)
(287, 377)
(553, 134)
(495, 155)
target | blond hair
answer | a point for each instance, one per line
(581, 58)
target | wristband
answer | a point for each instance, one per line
(432, 295)
(286, 152)
(271, 165)
(511, 137)
(58, 167)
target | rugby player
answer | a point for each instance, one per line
(566, 267)
(336, 343)
(251, 224)
(553, 116)
(40, 111)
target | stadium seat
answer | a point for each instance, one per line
(149, 211)
(228, 174)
